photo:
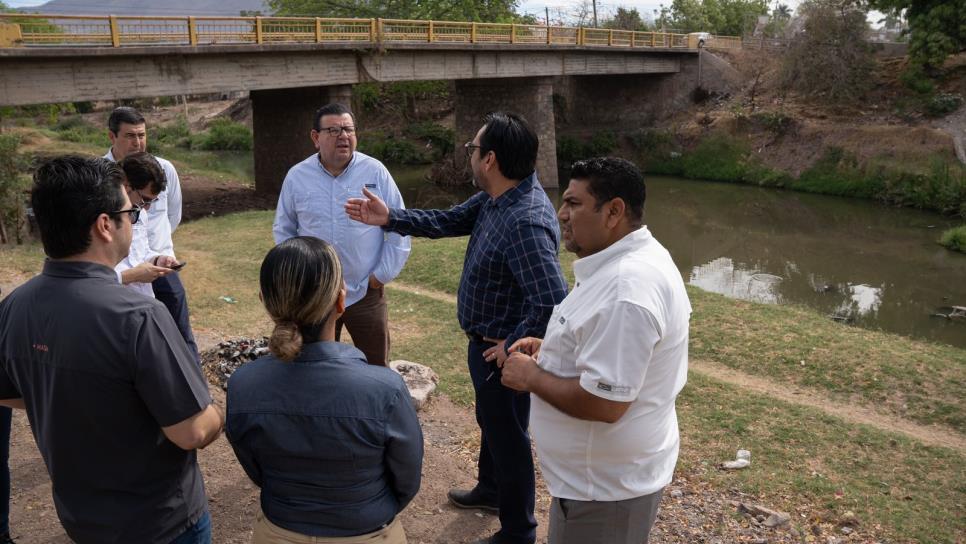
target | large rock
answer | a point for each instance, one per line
(420, 380)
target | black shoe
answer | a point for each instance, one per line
(462, 498)
(5, 539)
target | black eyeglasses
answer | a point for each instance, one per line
(469, 147)
(145, 202)
(336, 131)
(134, 212)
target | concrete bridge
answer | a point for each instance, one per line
(603, 82)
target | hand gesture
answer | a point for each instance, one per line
(370, 210)
(166, 261)
(144, 273)
(496, 354)
(528, 345)
(518, 371)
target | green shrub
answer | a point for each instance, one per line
(366, 96)
(943, 103)
(915, 79)
(650, 140)
(223, 135)
(955, 239)
(75, 129)
(83, 107)
(174, 134)
(391, 150)
(718, 158)
(773, 121)
(571, 150)
(601, 143)
(440, 138)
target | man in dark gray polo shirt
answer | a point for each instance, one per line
(115, 399)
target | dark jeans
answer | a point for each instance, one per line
(506, 463)
(199, 533)
(367, 321)
(5, 416)
(169, 290)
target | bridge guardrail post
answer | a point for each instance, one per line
(610, 37)
(580, 35)
(549, 33)
(192, 31)
(258, 30)
(473, 33)
(318, 30)
(115, 31)
(513, 33)
(373, 31)
(429, 33)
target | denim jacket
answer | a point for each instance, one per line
(334, 443)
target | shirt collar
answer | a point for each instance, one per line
(514, 194)
(584, 268)
(318, 160)
(78, 269)
(327, 350)
(110, 155)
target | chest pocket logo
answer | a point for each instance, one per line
(562, 320)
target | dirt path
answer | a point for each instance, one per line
(927, 434)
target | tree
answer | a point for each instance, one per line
(727, 17)
(937, 28)
(492, 11)
(626, 19)
(830, 58)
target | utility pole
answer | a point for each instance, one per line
(595, 13)
(546, 10)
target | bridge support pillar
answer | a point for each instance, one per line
(281, 122)
(530, 97)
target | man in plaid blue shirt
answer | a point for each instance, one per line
(511, 281)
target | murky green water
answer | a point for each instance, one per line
(853, 260)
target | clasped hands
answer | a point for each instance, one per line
(519, 368)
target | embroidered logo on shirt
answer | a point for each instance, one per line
(615, 389)
(562, 320)
(370, 186)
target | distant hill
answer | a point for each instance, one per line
(150, 7)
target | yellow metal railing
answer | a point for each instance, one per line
(121, 31)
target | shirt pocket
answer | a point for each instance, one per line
(308, 214)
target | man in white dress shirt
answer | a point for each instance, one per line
(127, 130)
(144, 183)
(311, 204)
(604, 379)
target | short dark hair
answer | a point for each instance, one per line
(124, 114)
(514, 143)
(68, 195)
(609, 178)
(142, 169)
(331, 109)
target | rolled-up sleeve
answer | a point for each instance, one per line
(404, 449)
(532, 258)
(396, 247)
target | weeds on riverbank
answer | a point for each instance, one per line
(939, 186)
(954, 239)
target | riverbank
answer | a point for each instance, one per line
(886, 464)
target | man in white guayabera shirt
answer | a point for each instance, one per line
(311, 204)
(604, 379)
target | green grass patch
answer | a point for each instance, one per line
(954, 239)
(802, 456)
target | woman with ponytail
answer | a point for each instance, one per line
(333, 442)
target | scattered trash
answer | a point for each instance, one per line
(221, 362)
(227, 299)
(742, 460)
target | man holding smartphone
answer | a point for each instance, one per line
(128, 134)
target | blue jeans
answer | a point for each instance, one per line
(506, 463)
(5, 416)
(200, 533)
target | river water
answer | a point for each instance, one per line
(852, 260)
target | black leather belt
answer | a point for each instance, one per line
(478, 338)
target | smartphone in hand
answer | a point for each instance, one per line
(178, 266)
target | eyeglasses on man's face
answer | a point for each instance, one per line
(469, 147)
(145, 202)
(335, 132)
(134, 212)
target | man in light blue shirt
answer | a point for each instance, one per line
(311, 204)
